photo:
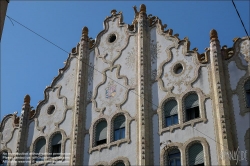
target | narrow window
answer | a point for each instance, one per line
(196, 155)
(119, 127)
(56, 145)
(4, 158)
(171, 113)
(192, 107)
(101, 133)
(247, 90)
(39, 150)
(174, 158)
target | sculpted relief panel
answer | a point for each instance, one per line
(112, 92)
(172, 66)
(114, 60)
(52, 118)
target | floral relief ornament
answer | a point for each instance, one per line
(112, 96)
(245, 50)
(130, 60)
(155, 50)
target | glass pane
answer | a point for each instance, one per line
(101, 131)
(57, 139)
(120, 164)
(119, 122)
(191, 101)
(4, 159)
(168, 121)
(116, 135)
(122, 132)
(196, 155)
(248, 99)
(171, 163)
(175, 119)
(178, 162)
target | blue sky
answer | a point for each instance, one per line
(29, 63)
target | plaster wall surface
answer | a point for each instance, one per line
(205, 130)
(62, 97)
(242, 125)
(235, 74)
(7, 132)
(12, 144)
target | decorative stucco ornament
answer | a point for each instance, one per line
(142, 8)
(113, 12)
(27, 99)
(213, 35)
(110, 91)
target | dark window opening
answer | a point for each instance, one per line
(112, 38)
(4, 158)
(193, 113)
(56, 150)
(248, 98)
(104, 141)
(120, 164)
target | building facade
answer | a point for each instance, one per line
(137, 95)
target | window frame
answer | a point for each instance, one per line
(34, 149)
(193, 110)
(95, 133)
(172, 117)
(120, 129)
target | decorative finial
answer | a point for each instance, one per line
(142, 8)
(85, 31)
(113, 12)
(27, 99)
(213, 35)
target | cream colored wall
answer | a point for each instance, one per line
(115, 64)
(237, 68)
(165, 54)
(61, 95)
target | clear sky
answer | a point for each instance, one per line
(29, 63)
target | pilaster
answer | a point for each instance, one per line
(77, 148)
(220, 102)
(144, 131)
(23, 131)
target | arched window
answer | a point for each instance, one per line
(196, 155)
(39, 150)
(56, 143)
(192, 107)
(171, 113)
(119, 127)
(101, 133)
(4, 158)
(247, 91)
(119, 163)
(174, 158)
